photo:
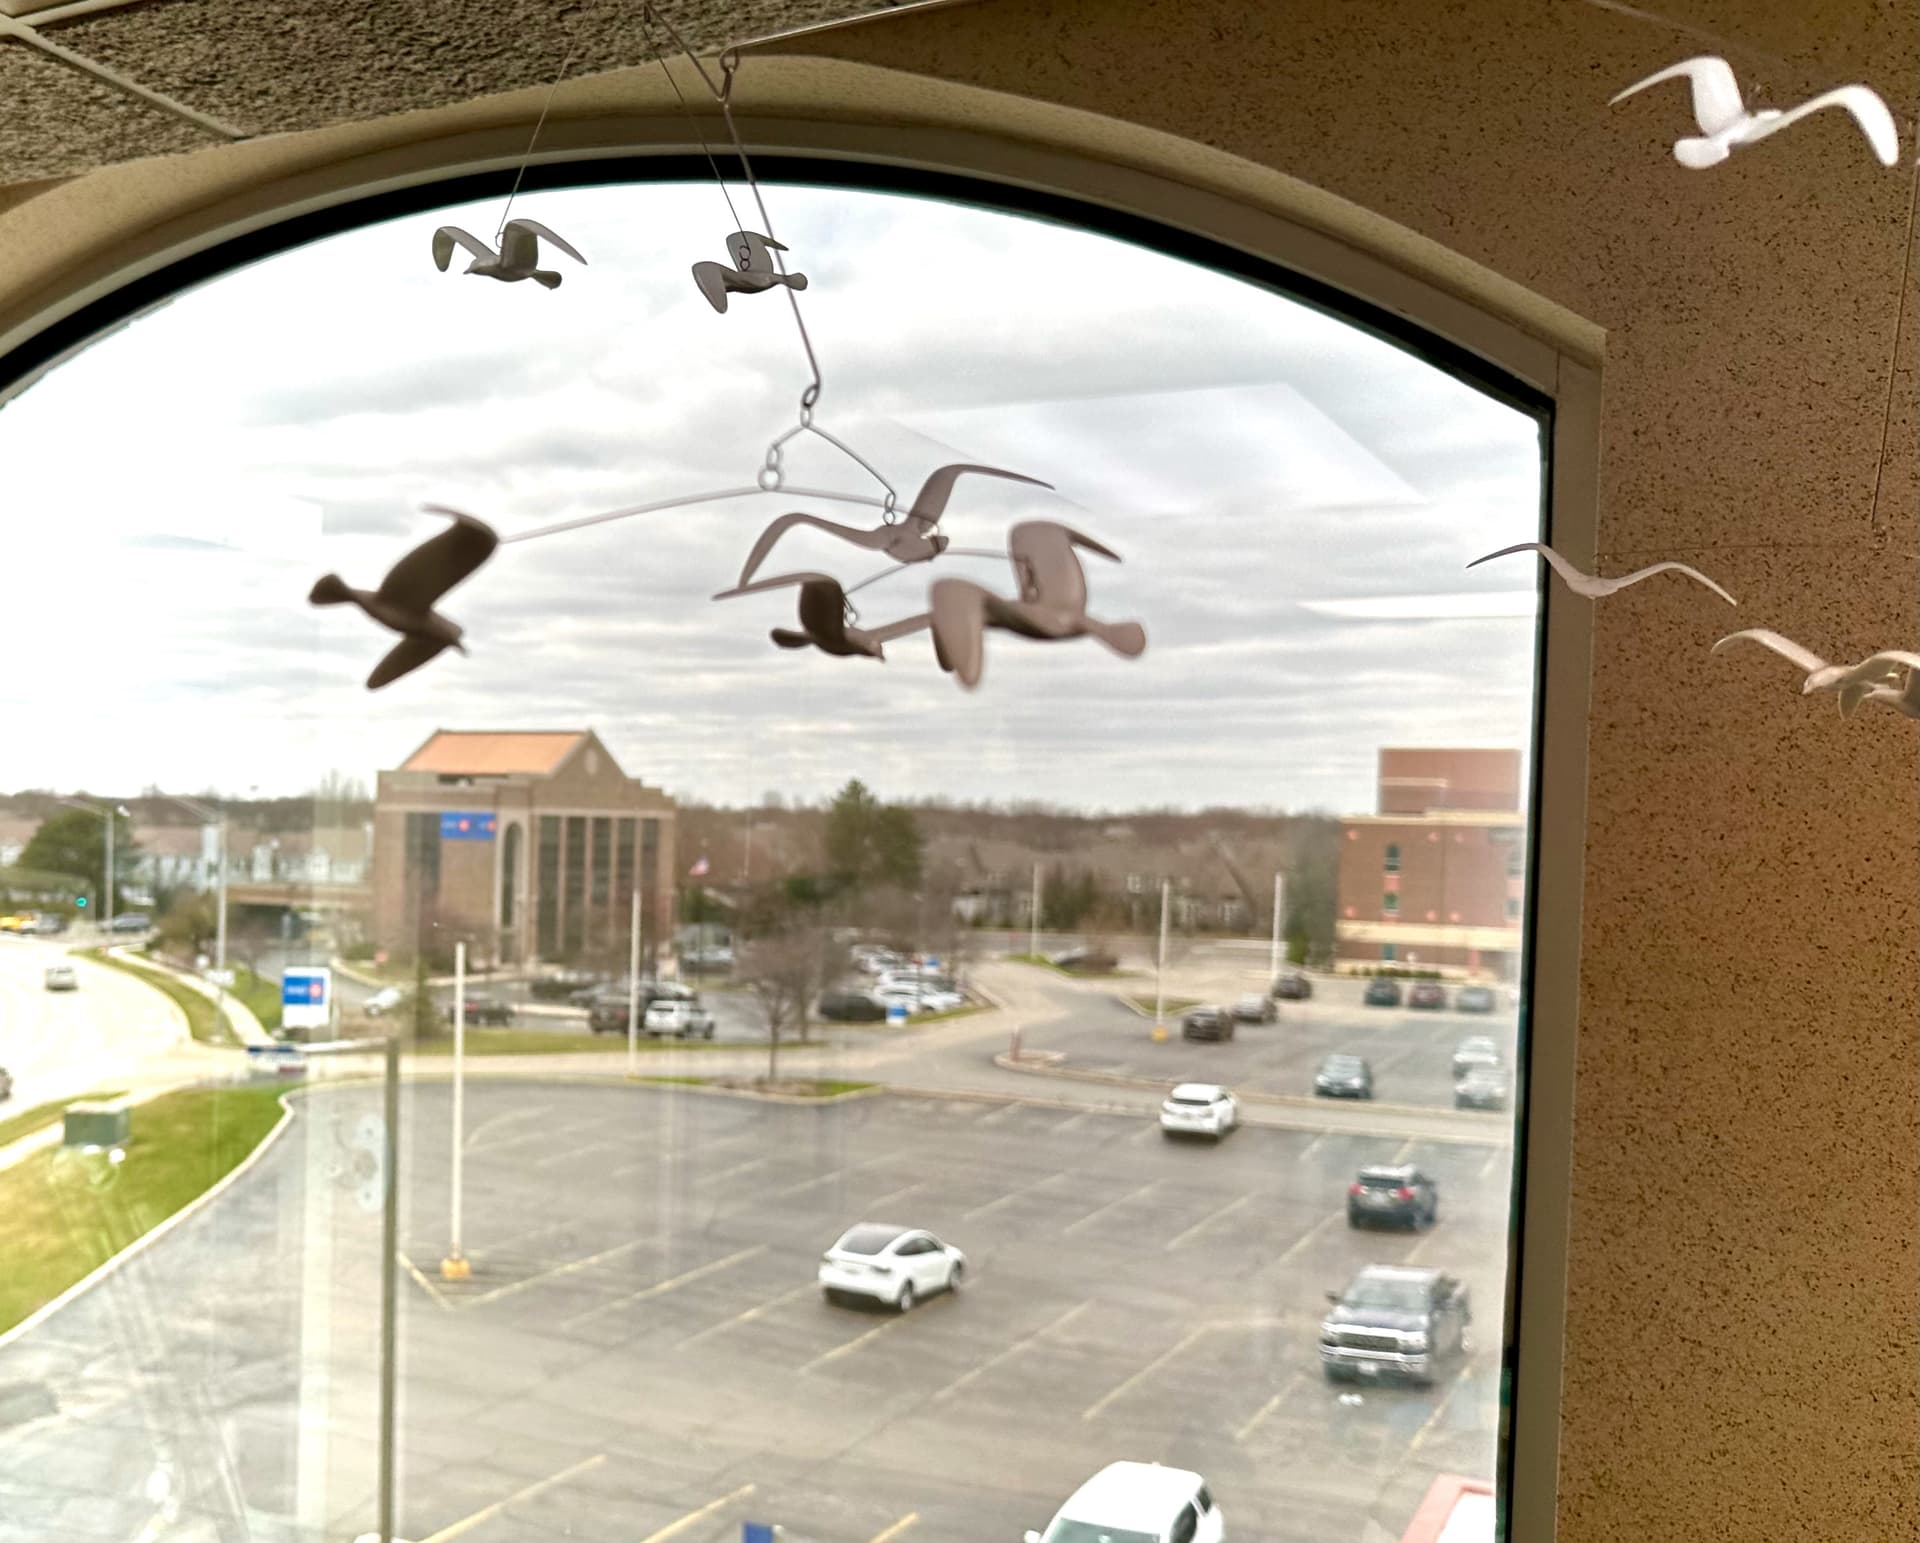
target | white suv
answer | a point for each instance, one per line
(1137, 1503)
(678, 1017)
(1199, 1109)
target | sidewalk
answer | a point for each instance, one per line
(240, 1018)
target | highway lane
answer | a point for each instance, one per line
(110, 1031)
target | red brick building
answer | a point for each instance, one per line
(1435, 879)
(526, 845)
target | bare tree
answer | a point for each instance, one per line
(786, 971)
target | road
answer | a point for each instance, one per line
(111, 1031)
(643, 1354)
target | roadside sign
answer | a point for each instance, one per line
(220, 977)
(896, 1012)
(306, 997)
(466, 827)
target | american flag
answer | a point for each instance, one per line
(698, 870)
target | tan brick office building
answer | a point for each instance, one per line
(527, 845)
(1435, 879)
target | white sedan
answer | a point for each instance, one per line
(1199, 1109)
(678, 1017)
(895, 1265)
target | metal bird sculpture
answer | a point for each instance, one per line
(826, 618)
(1726, 123)
(518, 257)
(406, 598)
(1592, 586)
(1052, 604)
(913, 540)
(754, 271)
(1890, 677)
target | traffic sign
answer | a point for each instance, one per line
(306, 997)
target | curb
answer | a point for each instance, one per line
(718, 1090)
(147, 1239)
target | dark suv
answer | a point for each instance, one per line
(1402, 1196)
(1343, 1076)
(1207, 1023)
(1394, 1323)
(607, 1007)
(1293, 986)
(851, 1007)
(564, 985)
(488, 1010)
(1382, 992)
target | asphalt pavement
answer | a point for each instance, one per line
(643, 1354)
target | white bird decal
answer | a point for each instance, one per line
(754, 271)
(518, 257)
(913, 540)
(1591, 585)
(1052, 604)
(1890, 677)
(1726, 123)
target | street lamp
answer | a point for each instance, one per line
(218, 819)
(106, 814)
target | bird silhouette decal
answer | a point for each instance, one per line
(753, 273)
(1890, 677)
(914, 539)
(1592, 586)
(1052, 604)
(406, 598)
(518, 257)
(826, 619)
(1726, 123)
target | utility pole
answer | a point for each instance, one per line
(1033, 918)
(455, 1265)
(633, 987)
(1160, 968)
(218, 819)
(1279, 904)
(108, 814)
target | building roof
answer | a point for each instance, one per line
(486, 753)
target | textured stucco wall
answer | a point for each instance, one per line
(1741, 1352)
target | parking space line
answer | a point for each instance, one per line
(1311, 1147)
(835, 1173)
(998, 1115)
(661, 1288)
(896, 1529)
(511, 1117)
(513, 1288)
(752, 1313)
(1292, 1386)
(568, 1154)
(1208, 1220)
(1440, 1408)
(1072, 1121)
(1403, 1154)
(874, 1207)
(1147, 1134)
(693, 1518)
(1008, 1198)
(738, 1168)
(1018, 1345)
(1113, 1204)
(1308, 1236)
(874, 1333)
(1488, 1166)
(486, 1514)
(1146, 1371)
(420, 1280)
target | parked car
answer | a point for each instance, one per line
(1429, 995)
(564, 985)
(1199, 1109)
(877, 961)
(1292, 986)
(1474, 999)
(18, 922)
(1207, 1023)
(607, 1005)
(386, 1000)
(1394, 1323)
(6, 1084)
(678, 1018)
(60, 977)
(1475, 1051)
(1137, 1503)
(1344, 1076)
(485, 1010)
(894, 1265)
(1084, 961)
(1483, 1087)
(130, 921)
(1382, 991)
(920, 999)
(1255, 1009)
(851, 1007)
(46, 925)
(1401, 1195)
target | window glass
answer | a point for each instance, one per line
(601, 1251)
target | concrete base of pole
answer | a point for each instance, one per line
(1159, 1033)
(456, 1267)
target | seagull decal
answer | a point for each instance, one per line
(1726, 123)
(518, 257)
(1592, 586)
(754, 271)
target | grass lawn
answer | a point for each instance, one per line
(542, 1042)
(67, 1214)
(202, 1022)
(25, 1123)
(1144, 1005)
(260, 995)
(1041, 961)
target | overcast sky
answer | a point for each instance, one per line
(1289, 496)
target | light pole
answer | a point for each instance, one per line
(1160, 970)
(1279, 899)
(218, 819)
(1033, 919)
(106, 814)
(456, 1265)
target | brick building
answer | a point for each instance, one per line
(1435, 879)
(527, 845)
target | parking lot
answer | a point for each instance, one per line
(643, 1353)
(1411, 1052)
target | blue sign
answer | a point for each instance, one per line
(755, 1532)
(306, 996)
(302, 990)
(466, 827)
